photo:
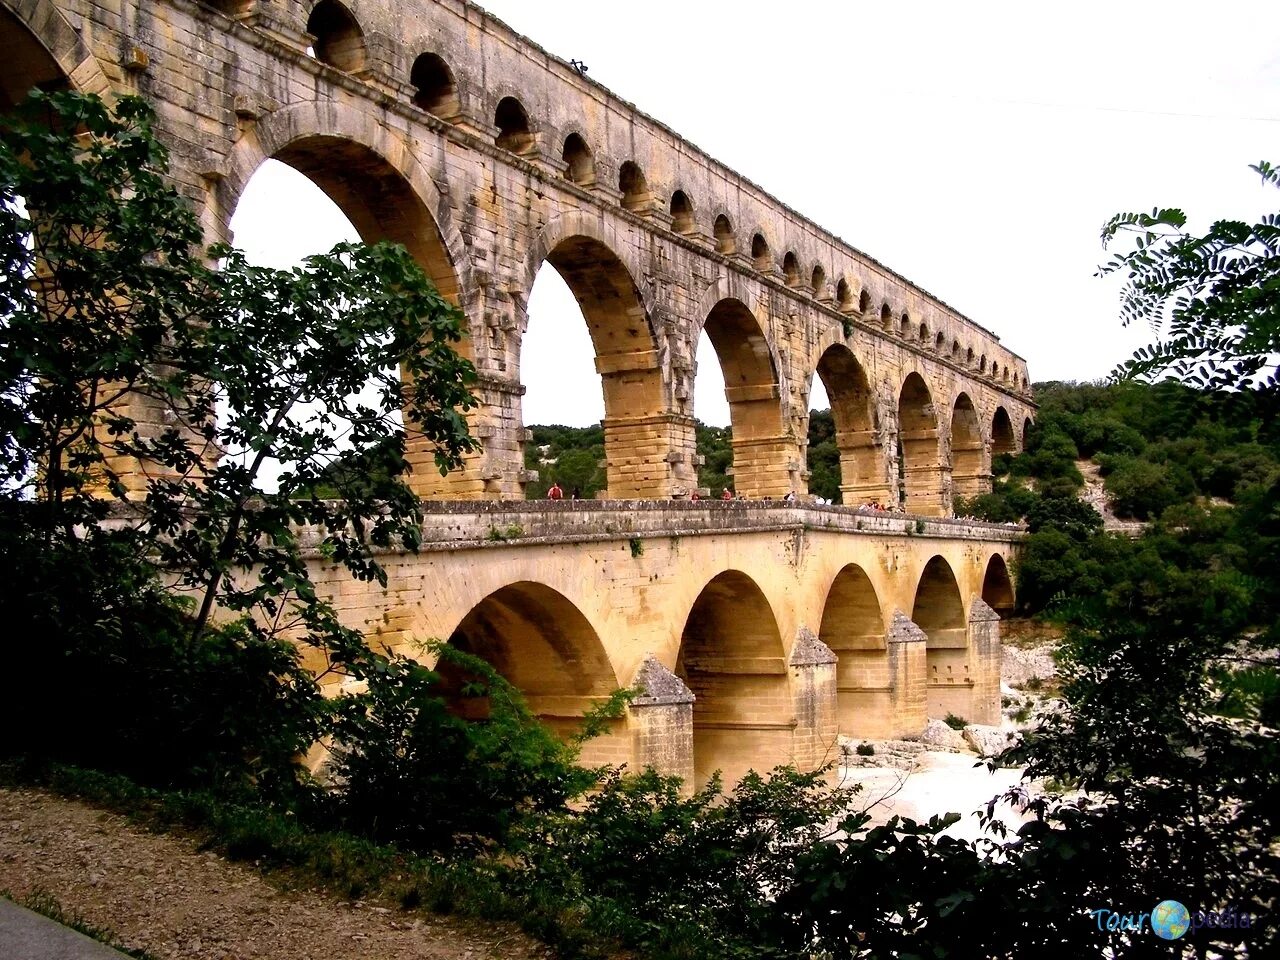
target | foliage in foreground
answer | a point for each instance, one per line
(492, 815)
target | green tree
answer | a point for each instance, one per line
(1214, 298)
(109, 306)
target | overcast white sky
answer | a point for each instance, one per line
(976, 148)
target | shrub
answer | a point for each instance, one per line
(410, 770)
(687, 876)
(114, 679)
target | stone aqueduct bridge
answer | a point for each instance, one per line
(435, 125)
(756, 630)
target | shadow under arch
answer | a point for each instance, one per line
(42, 49)
(544, 645)
(997, 587)
(1002, 438)
(732, 658)
(968, 476)
(853, 627)
(857, 423)
(626, 349)
(753, 390)
(938, 610)
(920, 458)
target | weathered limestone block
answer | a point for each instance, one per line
(986, 656)
(940, 736)
(661, 720)
(813, 691)
(988, 741)
(907, 643)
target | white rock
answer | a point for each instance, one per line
(938, 734)
(988, 741)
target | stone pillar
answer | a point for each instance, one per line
(650, 457)
(497, 472)
(968, 477)
(907, 677)
(661, 721)
(926, 479)
(813, 697)
(862, 469)
(985, 652)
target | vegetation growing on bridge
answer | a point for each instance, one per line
(494, 815)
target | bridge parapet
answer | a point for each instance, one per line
(466, 523)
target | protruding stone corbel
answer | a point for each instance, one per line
(134, 58)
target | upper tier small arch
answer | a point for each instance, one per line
(437, 90)
(726, 243)
(514, 131)
(681, 210)
(579, 163)
(634, 186)
(339, 41)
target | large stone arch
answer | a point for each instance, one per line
(544, 645)
(863, 470)
(970, 472)
(373, 176)
(765, 460)
(920, 452)
(938, 609)
(997, 586)
(853, 628)
(369, 171)
(732, 659)
(1002, 437)
(43, 49)
(628, 355)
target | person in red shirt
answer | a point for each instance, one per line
(727, 495)
(555, 493)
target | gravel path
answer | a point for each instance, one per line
(160, 894)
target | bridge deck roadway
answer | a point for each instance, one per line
(757, 629)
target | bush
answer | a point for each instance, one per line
(691, 876)
(409, 770)
(113, 678)
(1139, 488)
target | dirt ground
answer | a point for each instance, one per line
(160, 894)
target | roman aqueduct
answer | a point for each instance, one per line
(756, 630)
